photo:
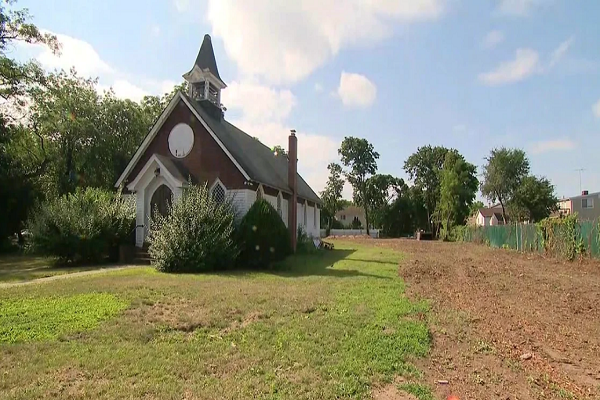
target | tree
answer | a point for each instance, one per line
(332, 194)
(15, 26)
(359, 156)
(380, 191)
(22, 157)
(448, 206)
(503, 174)
(533, 200)
(280, 151)
(475, 206)
(424, 168)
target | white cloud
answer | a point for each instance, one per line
(492, 39)
(560, 51)
(182, 5)
(285, 41)
(596, 109)
(356, 90)
(525, 64)
(126, 90)
(73, 53)
(553, 145)
(264, 111)
(518, 7)
(81, 55)
(259, 103)
(318, 87)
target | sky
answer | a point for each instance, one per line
(468, 74)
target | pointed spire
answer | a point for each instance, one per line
(206, 57)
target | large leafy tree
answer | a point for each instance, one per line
(22, 156)
(448, 207)
(332, 194)
(503, 174)
(381, 189)
(360, 159)
(15, 26)
(533, 200)
(424, 168)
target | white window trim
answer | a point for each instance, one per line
(589, 203)
(215, 183)
(315, 216)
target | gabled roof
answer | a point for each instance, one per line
(206, 57)
(254, 157)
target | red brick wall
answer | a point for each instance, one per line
(205, 163)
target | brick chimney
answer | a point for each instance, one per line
(293, 183)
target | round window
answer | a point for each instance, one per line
(181, 140)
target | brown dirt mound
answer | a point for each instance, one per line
(506, 325)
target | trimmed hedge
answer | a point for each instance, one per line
(263, 237)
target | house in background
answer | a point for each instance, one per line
(192, 141)
(351, 214)
(489, 216)
(587, 206)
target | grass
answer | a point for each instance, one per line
(328, 325)
(44, 318)
(20, 268)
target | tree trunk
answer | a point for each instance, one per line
(503, 211)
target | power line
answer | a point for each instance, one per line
(580, 170)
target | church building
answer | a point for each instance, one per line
(192, 142)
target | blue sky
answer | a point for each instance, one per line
(472, 75)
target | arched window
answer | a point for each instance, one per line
(259, 193)
(279, 205)
(218, 192)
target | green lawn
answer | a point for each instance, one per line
(19, 268)
(324, 326)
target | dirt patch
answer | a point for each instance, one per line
(391, 392)
(505, 324)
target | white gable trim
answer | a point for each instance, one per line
(159, 123)
(221, 145)
(174, 182)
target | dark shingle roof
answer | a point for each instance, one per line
(255, 158)
(206, 57)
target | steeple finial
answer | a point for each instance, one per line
(206, 58)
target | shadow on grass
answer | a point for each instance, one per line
(19, 268)
(321, 263)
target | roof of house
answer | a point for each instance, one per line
(255, 158)
(581, 196)
(490, 211)
(206, 57)
(351, 209)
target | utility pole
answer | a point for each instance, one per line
(580, 170)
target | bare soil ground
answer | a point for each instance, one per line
(506, 325)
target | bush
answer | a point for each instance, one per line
(195, 236)
(262, 236)
(304, 243)
(85, 226)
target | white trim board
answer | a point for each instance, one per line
(159, 123)
(163, 170)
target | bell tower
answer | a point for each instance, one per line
(205, 84)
